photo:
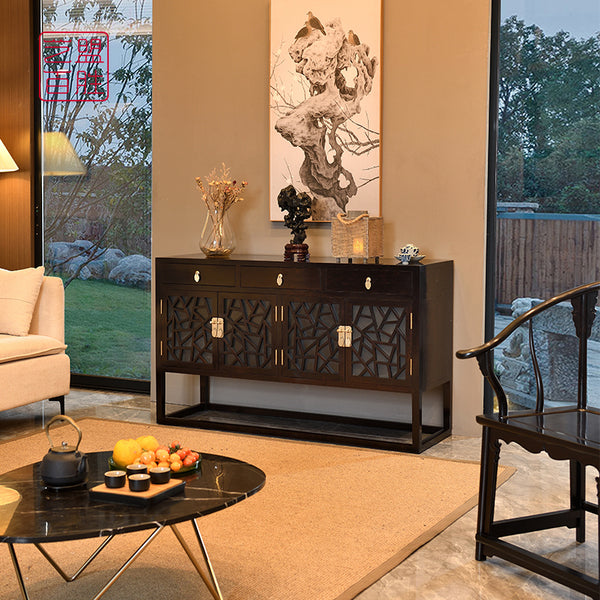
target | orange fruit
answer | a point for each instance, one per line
(162, 454)
(175, 466)
(146, 458)
(148, 442)
(125, 452)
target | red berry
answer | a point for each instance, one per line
(188, 461)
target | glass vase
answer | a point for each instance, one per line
(217, 238)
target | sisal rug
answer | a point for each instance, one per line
(330, 521)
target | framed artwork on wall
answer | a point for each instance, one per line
(325, 104)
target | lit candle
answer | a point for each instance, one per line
(358, 247)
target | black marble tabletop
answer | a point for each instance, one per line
(46, 515)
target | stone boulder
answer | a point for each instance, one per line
(112, 257)
(66, 257)
(59, 254)
(133, 271)
(78, 264)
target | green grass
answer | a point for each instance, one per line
(107, 329)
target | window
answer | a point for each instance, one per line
(545, 198)
(96, 118)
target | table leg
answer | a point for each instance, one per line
(129, 561)
(211, 580)
(18, 571)
(69, 578)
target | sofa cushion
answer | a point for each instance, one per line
(19, 292)
(28, 346)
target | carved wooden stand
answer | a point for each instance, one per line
(296, 253)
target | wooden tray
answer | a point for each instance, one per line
(156, 493)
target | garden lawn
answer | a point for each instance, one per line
(107, 329)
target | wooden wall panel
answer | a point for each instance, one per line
(17, 55)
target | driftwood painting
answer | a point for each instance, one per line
(325, 104)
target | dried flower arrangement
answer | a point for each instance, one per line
(219, 192)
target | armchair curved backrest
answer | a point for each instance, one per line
(583, 300)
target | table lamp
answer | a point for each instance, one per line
(6, 160)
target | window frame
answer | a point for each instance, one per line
(78, 380)
(492, 161)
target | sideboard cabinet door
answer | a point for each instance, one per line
(309, 328)
(381, 344)
(187, 325)
(248, 334)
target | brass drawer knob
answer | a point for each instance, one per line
(280, 279)
(197, 276)
(368, 283)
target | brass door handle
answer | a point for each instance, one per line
(344, 336)
(217, 327)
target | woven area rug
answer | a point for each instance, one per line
(330, 521)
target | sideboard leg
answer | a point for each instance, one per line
(204, 391)
(417, 421)
(447, 401)
(160, 395)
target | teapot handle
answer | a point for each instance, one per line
(66, 419)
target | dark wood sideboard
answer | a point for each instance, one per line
(383, 326)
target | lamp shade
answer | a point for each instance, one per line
(6, 160)
(60, 157)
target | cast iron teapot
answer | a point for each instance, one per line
(64, 465)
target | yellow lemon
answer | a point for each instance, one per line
(148, 443)
(126, 451)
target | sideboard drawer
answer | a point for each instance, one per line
(370, 278)
(280, 278)
(198, 274)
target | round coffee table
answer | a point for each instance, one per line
(46, 515)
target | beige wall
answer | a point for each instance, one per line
(211, 68)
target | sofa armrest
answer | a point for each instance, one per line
(49, 313)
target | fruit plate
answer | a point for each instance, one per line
(183, 471)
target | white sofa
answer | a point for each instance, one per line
(36, 367)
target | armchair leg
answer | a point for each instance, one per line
(61, 401)
(490, 454)
(577, 485)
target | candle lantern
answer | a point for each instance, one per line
(355, 235)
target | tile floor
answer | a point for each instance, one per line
(443, 569)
